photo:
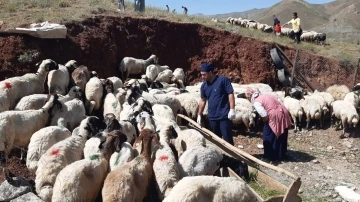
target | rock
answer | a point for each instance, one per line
(297, 138)
(316, 185)
(311, 134)
(18, 187)
(241, 147)
(328, 168)
(329, 148)
(347, 144)
(347, 194)
(311, 148)
(260, 146)
(334, 195)
(315, 161)
(354, 149)
(338, 199)
(29, 197)
(328, 193)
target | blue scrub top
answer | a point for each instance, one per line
(217, 95)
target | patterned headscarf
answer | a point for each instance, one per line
(252, 93)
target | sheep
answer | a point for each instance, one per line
(329, 99)
(15, 88)
(117, 83)
(71, 115)
(320, 38)
(59, 80)
(92, 144)
(41, 141)
(164, 76)
(17, 127)
(62, 154)
(346, 112)
(321, 102)
(93, 93)
(239, 167)
(129, 130)
(132, 65)
(163, 111)
(353, 97)
(179, 74)
(82, 180)
(123, 183)
(80, 76)
(312, 111)
(189, 164)
(36, 101)
(120, 95)
(126, 154)
(338, 91)
(244, 115)
(189, 104)
(210, 189)
(294, 107)
(111, 104)
(165, 165)
(153, 70)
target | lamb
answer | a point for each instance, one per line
(312, 111)
(189, 164)
(111, 104)
(132, 65)
(165, 165)
(129, 130)
(321, 102)
(329, 99)
(62, 154)
(36, 101)
(153, 70)
(346, 112)
(164, 76)
(244, 115)
(80, 76)
(71, 115)
(210, 189)
(179, 74)
(126, 154)
(189, 104)
(59, 80)
(87, 174)
(17, 127)
(353, 97)
(41, 141)
(338, 91)
(163, 111)
(93, 93)
(15, 88)
(117, 83)
(122, 184)
(294, 107)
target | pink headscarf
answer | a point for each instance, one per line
(252, 93)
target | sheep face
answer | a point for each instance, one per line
(49, 65)
(112, 142)
(75, 92)
(93, 74)
(111, 122)
(94, 125)
(109, 87)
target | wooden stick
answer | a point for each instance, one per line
(238, 151)
(294, 67)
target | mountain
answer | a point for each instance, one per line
(339, 19)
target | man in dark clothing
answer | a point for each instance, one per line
(276, 21)
(219, 93)
(185, 10)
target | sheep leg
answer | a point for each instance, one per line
(295, 124)
(307, 122)
(3, 163)
(23, 155)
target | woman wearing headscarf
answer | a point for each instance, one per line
(276, 123)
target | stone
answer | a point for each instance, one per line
(29, 197)
(241, 147)
(18, 187)
(260, 146)
(354, 149)
(329, 168)
(297, 138)
(315, 161)
(329, 148)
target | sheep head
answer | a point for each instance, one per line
(109, 87)
(48, 65)
(146, 137)
(75, 92)
(93, 74)
(111, 143)
(93, 125)
(71, 65)
(111, 122)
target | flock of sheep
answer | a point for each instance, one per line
(307, 36)
(91, 137)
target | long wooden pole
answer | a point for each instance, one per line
(297, 72)
(236, 150)
(294, 67)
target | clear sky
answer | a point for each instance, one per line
(210, 7)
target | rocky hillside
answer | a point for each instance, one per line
(339, 19)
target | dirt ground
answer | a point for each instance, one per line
(320, 157)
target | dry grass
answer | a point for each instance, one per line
(20, 12)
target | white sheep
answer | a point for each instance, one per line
(36, 101)
(165, 165)
(153, 70)
(132, 65)
(329, 99)
(244, 115)
(210, 189)
(189, 164)
(312, 111)
(189, 103)
(62, 154)
(59, 80)
(126, 154)
(80, 76)
(294, 107)
(338, 91)
(346, 112)
(93, 93)
(17, 127)
(117, 83)
(82, 180)
(179, 74)
(163, 111)
(71, 115)
(353, 97)
(15, 88)
(129, 130)
(41, 141)
(164, 76)
(111, 103)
